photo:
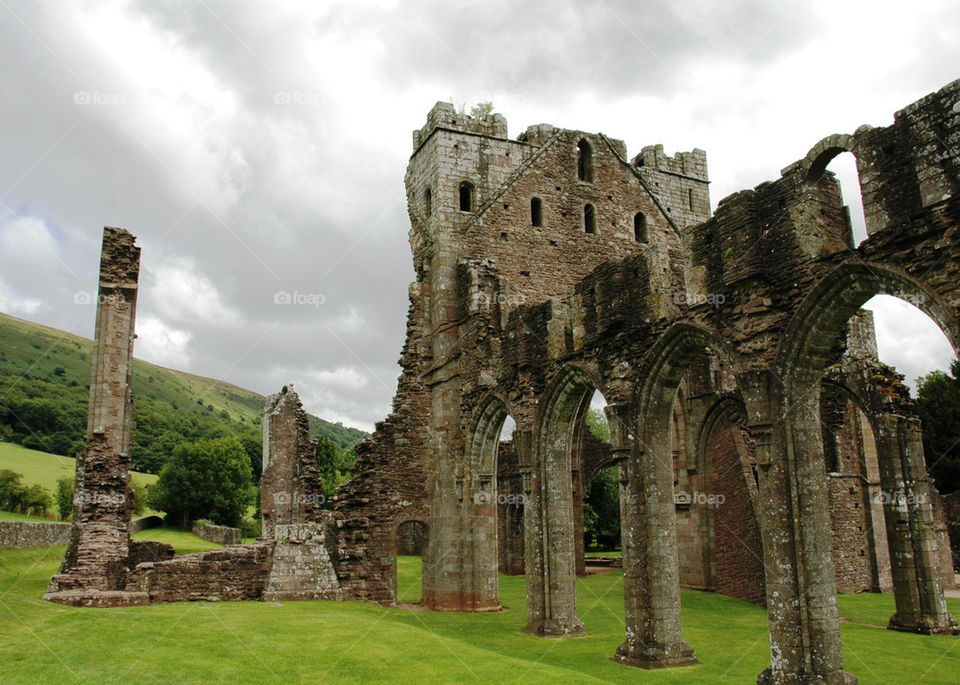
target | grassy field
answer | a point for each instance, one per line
(45, 469)
(183, 542)
(356, 642)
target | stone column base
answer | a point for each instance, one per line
(925, 625)
(558, 628)
(643, 655)
(771, 677)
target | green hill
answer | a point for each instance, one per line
(44, 386)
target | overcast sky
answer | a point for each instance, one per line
(258, 149)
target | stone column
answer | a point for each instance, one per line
(97, 556)
(548, 545)
(579, 548)
(648, 527)
(794, 516)
(907, 507)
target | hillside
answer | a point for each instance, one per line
(44, 385)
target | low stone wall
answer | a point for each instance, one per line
(221, 535)
(19, 534)
(232, 573)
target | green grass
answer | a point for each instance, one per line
(182, 541)
(10, 516)
(356, 642)
(45, 469)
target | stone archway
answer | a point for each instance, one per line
(648, 518)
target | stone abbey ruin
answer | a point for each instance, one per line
(731, 350)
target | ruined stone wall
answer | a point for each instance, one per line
(951, 516)
(849, 524)
(290, 488)
(737, 547)
(18, 534)
(233, 573)
(509, 511)
(221, 535)
(96, 557)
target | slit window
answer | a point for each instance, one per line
(584, 161)
(589, 219)
(466, 197)
(428, 201)
(536, 211)
(640, 227)
(690, 198)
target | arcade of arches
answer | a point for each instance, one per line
(763, 451)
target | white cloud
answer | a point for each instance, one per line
(178, 291)
(908, 339)
(12, 303)
(162, 344)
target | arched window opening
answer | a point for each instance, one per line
(584, 161)
(640, 227)
(428, 201)
(466, 197)
(536, 212)
(844, 167)
(600, 489)
(589, 219)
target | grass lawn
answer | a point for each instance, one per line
(45, 469)
(182, 541)
(356, 642)
(10, 516)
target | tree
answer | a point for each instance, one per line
(205, 479)
(334, 465)
(138, 493)
(64, 497)
(36, 500)
(601, 502)
(938, 406)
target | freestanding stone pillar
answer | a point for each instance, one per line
(651, 578)
(97, 556)
(801, 590)
(908, 512)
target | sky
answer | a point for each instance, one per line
(257, 150)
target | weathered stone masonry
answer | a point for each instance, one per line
(104, 567)
(726, 346)
(551, 265)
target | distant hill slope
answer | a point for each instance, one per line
(44, 385)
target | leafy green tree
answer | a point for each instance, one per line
(601, 502)
(205, 479)
(139, 495)
(938, 406)
(601, 509)
(64, 497)
(37, 500)
(334, 464)
(12, 490)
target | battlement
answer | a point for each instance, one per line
(444, 115)
(691, 164)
